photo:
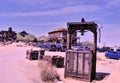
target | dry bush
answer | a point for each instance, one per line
(48, 72)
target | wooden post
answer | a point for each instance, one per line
(94, 57)
(69, 40)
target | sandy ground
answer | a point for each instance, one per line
(104, 65)
(15, 68)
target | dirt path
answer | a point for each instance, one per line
(15, 68)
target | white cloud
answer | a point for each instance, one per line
(39, 24)
(62, 11)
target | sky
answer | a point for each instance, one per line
(39, 17)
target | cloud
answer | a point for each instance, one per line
(62, 11)
(39, 24)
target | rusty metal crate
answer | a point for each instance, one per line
(58, 61)
(78, 64)
(35, 54)
(32, 55)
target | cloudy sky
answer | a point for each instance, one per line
(41, 16)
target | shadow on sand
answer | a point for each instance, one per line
(100, 75)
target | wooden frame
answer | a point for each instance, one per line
(83, 27)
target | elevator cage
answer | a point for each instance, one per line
(81, 64)
(78, 64)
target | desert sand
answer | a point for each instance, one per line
(15, 68)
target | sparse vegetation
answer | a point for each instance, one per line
(48, 72)
(28, 37)
(43, 38)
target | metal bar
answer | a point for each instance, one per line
(77, 63)
(83, 64)
(65, 74)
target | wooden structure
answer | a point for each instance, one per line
(58, 36)
(78, 64)
(70, 55)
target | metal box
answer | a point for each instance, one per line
(78, 64)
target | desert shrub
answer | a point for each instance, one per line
(48, 72)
